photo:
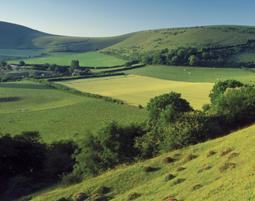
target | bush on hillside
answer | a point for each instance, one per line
(236, 106)
(28, 164)
(167, 107)
(220, 87)
(113, 145)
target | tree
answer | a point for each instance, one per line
(236, 106)
(22, 63)
(3, 63)
(191, 128)
(114, 145)
(74, 64)
(193, 60)
(168, 106)
(220, 87)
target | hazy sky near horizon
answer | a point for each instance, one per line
(114, 17)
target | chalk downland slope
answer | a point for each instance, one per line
(220, 169)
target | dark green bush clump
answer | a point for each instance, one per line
(114, 145)
(169, 177)
(151, 169)
(133, 196)
(28, 164)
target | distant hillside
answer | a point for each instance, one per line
(221, 37)
(234, 44)
(221, 169)
(198, 37)
(13, 36)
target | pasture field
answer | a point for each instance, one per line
(91, 59)
(206, 177)
(194, 74)
(15, 53)
(137, 90)
(57, 114)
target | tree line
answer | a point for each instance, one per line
(190, 56)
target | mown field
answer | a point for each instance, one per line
(195, 74)
(91, 59)
(136, 89)
(57, 114)
(222, 169)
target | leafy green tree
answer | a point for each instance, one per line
(193, 60)
(169, 106)
(191, 128)
(220, 87)
(236, 106)
(114, 145)
(74, 64)
(22, 63)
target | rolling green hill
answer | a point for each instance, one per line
(18, 37)
(198, 37)
(13, 36)
(220, 169)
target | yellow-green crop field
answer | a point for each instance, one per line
(138, 90)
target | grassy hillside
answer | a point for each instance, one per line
(137, 90)
(221, 169)
(199, 37)
(195, 74)
(13, 36)
(94, 59)
(57, 114)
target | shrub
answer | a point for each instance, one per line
(168, 160)
(227, 166)
(80, 196)
(190, 157)
(196, 187)
(211, 153)
(236, 106)
(204, 168)
(114, 145)
(102, 190)
(59, 159)
(191, 128)
(179, 169)
(178, 181)
(226, 151)
(133, 196)
(220, 87)
(150, 169)
(71, 178)
(169, 177)
(167, 107)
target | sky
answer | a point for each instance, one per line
(115, 17)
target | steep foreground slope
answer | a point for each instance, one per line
(221, 169)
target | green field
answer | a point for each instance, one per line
(91, 59)
(58, 114)
(20, 53)
(135, 89)
(195, 74)
(200, 180)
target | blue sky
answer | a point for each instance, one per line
(114, 17)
